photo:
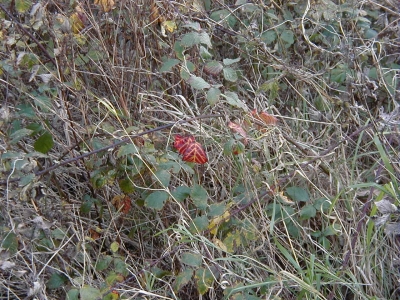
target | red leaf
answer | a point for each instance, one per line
(181, 143)
(238, 129)
(195, 153)
(264, 117)
(122, 203)
(190, 150)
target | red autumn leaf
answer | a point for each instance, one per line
(122, 203)
(238, 129)
(264, 117)
(195, 153)
(181, 143)
(190, 150)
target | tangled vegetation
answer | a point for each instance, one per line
(199, 149)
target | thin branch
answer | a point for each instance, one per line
(121, 142)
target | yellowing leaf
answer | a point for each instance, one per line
(76, 22)
(22, 5)
(105, 5)
(169, 25)
(114, 247)
(220, 244)
(215, 222)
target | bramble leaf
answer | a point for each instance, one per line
(156, 200)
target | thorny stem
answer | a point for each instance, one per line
(121, 142)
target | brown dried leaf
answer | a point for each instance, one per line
(238, 129)
(105, 5)
(264, 117)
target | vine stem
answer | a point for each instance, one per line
(121, 142)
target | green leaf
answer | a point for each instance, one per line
(228, 61)
(103, 263)
(58, 234)
(56, 280)
(190, 39)
(170, 165)
(10, 243)
(182, 279)
(233, 99)
(298, 194)
(120, 267)
(198, 83)
(232, 241)
(308, 212)
(73, 294)
(204, 280)
(86, 205)
(199, 224)
(339, 73)
(288, 37)
(268, 37)
(89, 293)
(26, 179)
(44, 102)
(162, 176)
(126, 185)
(331, 230)
(322, 204)
(225, 15)
(230, 74)
(181, 193)
(205, 39)
(228, 147)
(156, 200)
(193, 25)
(113, 278)
(179, 49)
(213, 67)
(22, 6)
(370, 34)
(127, 150)
(159, 273)
(19, 134)
(213, 95)
(216, 209)
(199, 196)
(169, 64)
(192, 259)
(204, 53)
(185, 75)
(26, 110)
(44, 143)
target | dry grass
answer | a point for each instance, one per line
(337, 139)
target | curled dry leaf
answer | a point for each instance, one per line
(264, 117)
(105, 5)
(385, 206)
(238, 129)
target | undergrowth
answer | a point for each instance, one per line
(290, 186)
